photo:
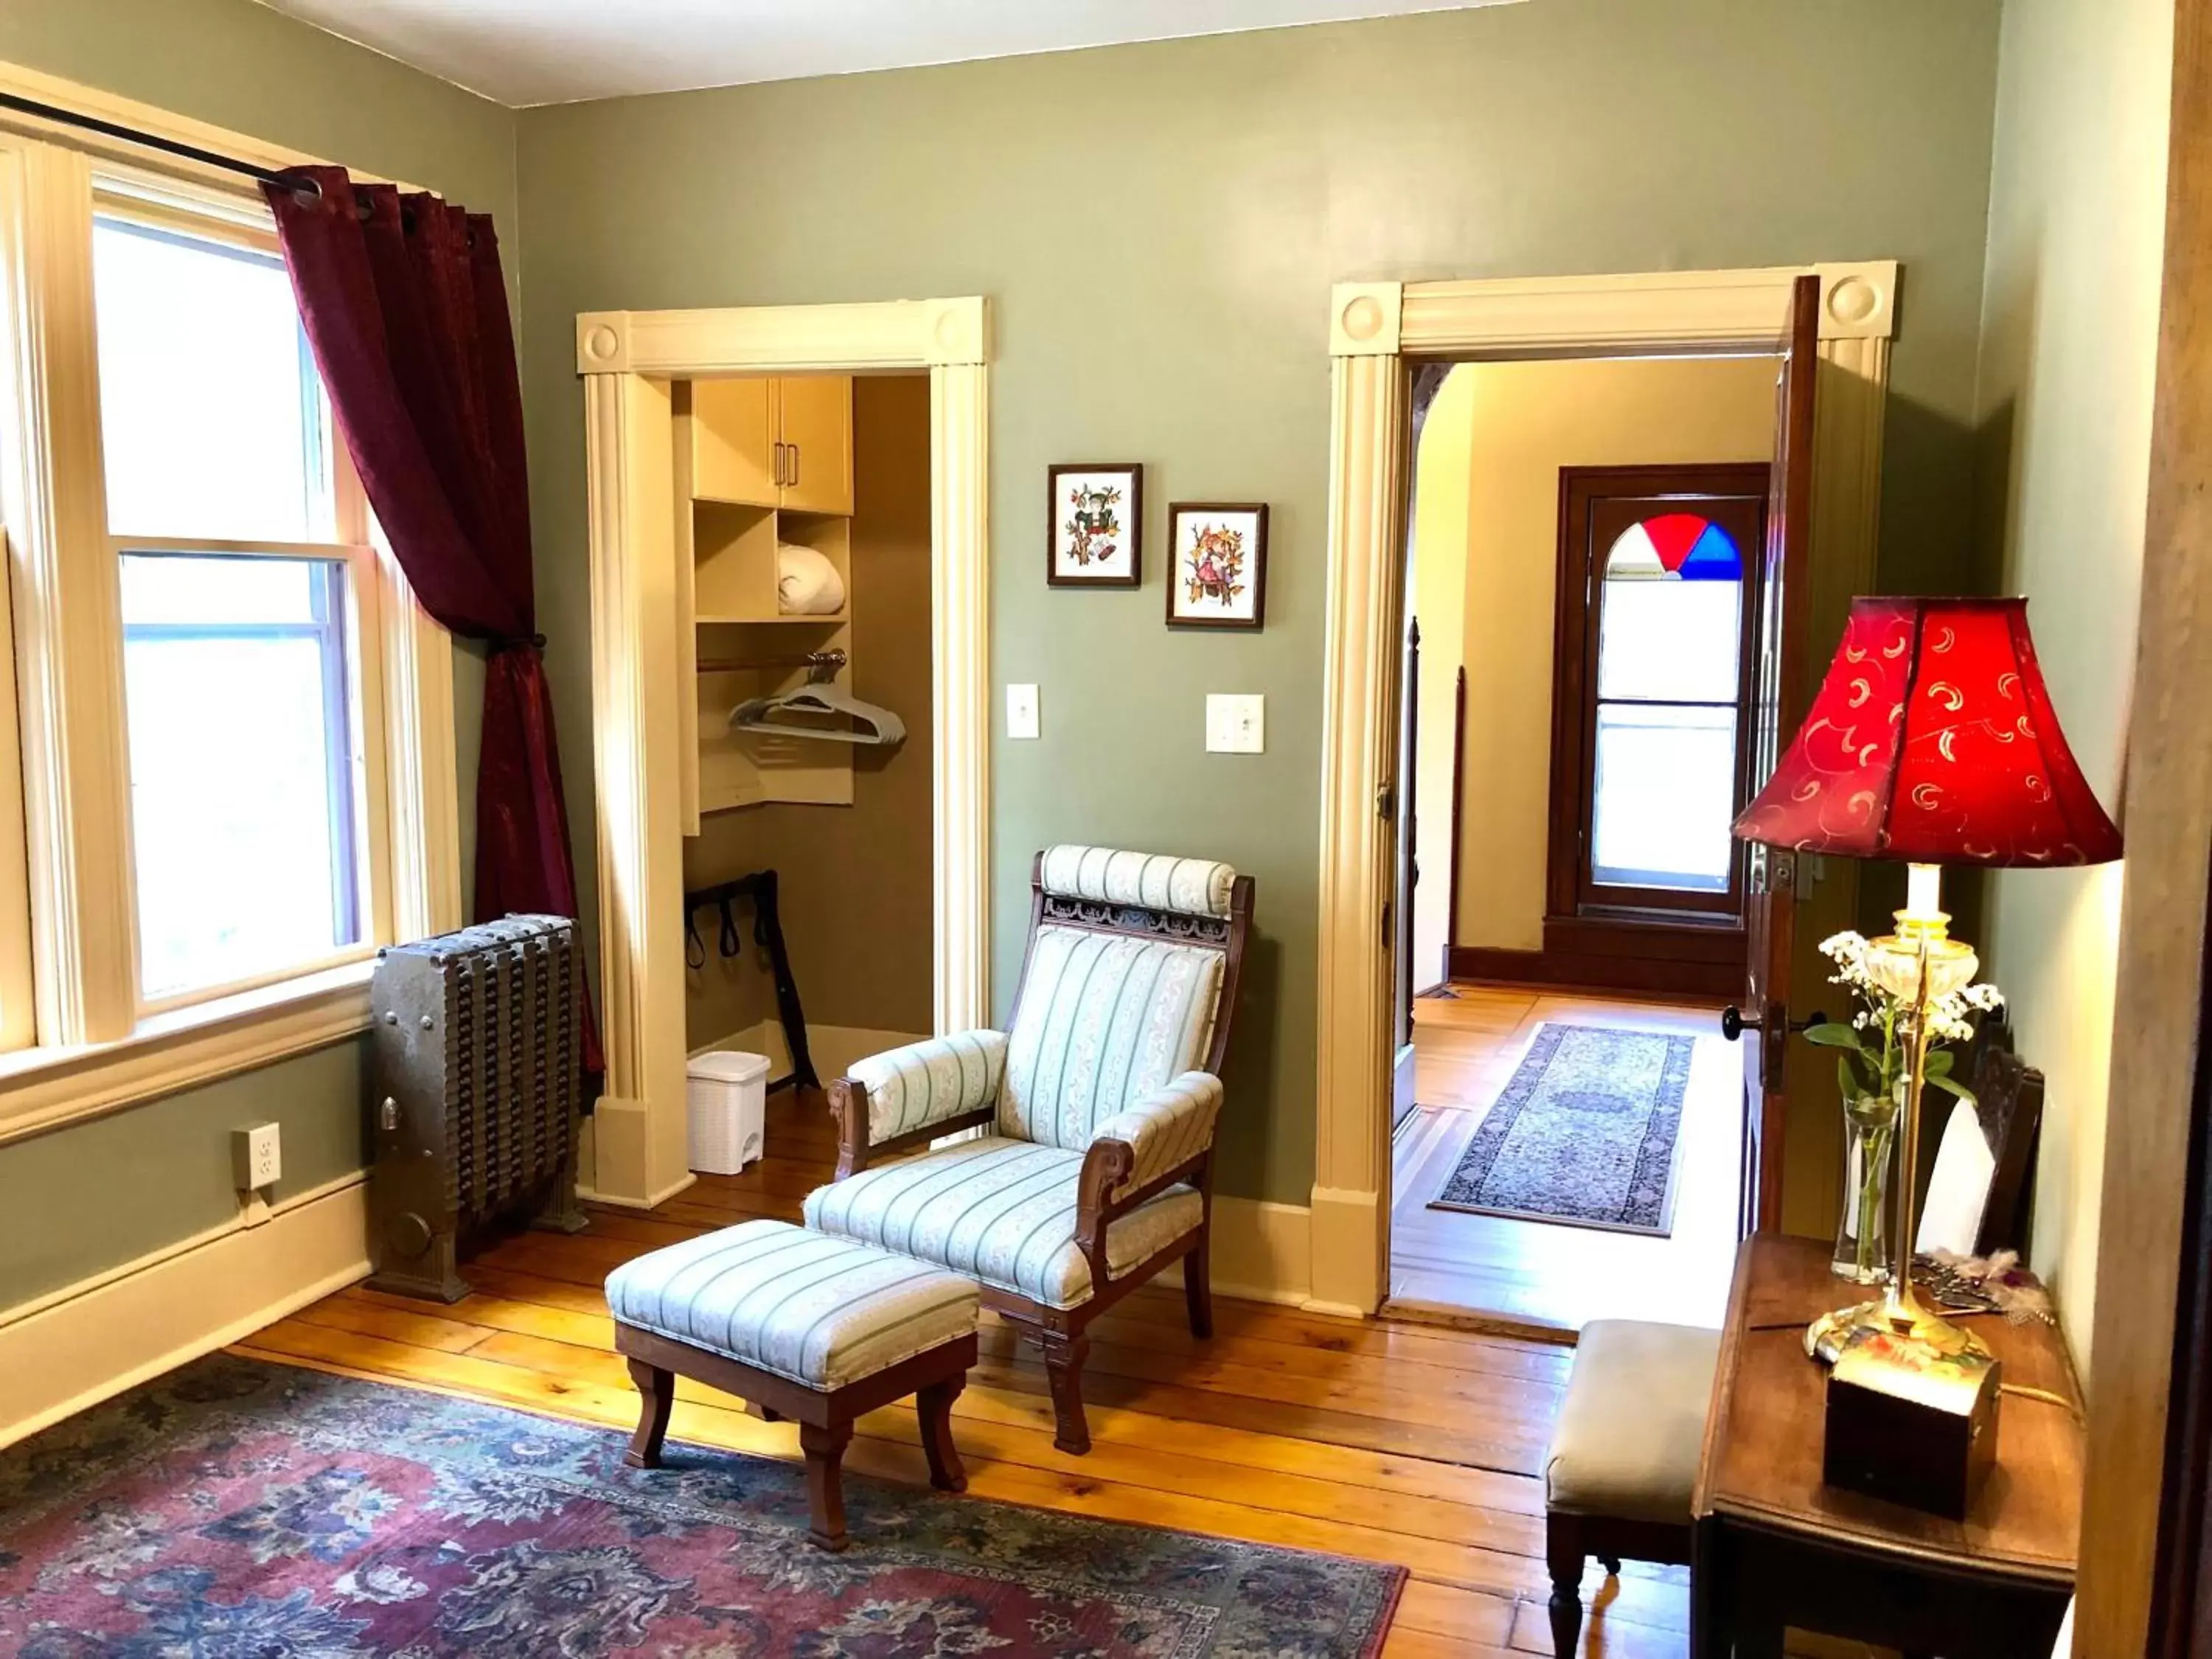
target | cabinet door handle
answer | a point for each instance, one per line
(778, 463)
(794, 467)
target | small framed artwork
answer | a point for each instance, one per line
(1218, 554)
(1095, 525)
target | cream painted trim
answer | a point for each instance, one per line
(68, 662)
(627, 359)
(79, 1346)
(98, 1050)
(43, 1089)
(1374, 328)
(652, 1200)
(1525, 316)
(834, 1048)
(27, 82)
(685, 345)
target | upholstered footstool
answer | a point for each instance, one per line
(1623, 1466)
(800, 1326)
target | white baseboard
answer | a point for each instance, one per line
(78, 1347)
(832, 1048)
(1262, 1251)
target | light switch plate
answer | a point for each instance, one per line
(1235, 723)
(1021, 711)
(257, 1157)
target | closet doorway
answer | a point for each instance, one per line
(806, 849)
(685, 526)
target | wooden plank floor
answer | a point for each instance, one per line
(1287, 1428)
(1536, 1276)
(1365, 1438)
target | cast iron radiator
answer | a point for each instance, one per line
(479, 1089)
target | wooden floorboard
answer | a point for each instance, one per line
(1547, 1280)
(1413, 1444)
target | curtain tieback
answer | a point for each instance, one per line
(517, 642)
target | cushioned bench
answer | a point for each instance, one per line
(1623, 1466)
(801, 1326)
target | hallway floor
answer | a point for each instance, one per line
(1540, 1278)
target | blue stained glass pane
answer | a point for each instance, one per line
(1714, 559)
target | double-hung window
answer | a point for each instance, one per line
(247, 587)
(232, 751)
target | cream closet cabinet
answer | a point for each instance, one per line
(785, 443)
(761, 463)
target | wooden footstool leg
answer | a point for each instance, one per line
(657, 1397)
(1563, 1555)
(825, 1485)
(933, 1405)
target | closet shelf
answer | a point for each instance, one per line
(831, 619)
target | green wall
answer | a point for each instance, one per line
(2070, 318)
(85, 1199)
(1158, 227)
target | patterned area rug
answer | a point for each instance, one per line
(235, 1508)
(1584, 1132)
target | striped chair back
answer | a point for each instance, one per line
(1130, 979)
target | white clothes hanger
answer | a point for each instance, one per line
(872, 723)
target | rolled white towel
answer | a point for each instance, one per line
(806, 583)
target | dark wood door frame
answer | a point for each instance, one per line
(2145, 1585)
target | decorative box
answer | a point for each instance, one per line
(1911, 1424)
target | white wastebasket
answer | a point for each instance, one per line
(727, 1094)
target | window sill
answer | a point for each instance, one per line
(43, 1089)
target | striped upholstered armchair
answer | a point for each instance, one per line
(1099, 1102)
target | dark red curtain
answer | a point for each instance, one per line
(406, 311)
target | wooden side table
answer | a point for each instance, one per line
(1776, 1546)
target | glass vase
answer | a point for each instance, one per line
(1869, 1152)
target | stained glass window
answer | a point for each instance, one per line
(1670, 647)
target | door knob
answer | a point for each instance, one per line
(1733, 1023)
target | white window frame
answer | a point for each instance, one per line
(91, 1043)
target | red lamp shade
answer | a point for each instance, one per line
(1933, 741)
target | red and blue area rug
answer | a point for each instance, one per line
(235, 1508)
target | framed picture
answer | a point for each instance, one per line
(1217, 554)
(1095, 525)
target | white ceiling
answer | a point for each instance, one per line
(551, 51)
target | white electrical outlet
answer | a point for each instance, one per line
(1021, 711)
(257, 1157)
(1235, 724)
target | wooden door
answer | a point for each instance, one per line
(817, 433)
(733, 454)
(1777, 705)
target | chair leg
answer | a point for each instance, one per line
(1064, 1353)
(1563, 1555)
(825, 1484)
(1198, 1283)
(933, 1405)
(657, 1397)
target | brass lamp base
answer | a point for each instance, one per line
(1826, 1336)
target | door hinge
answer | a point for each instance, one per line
(1386, 797)
(1389, 938)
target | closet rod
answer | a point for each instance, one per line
(833, 659)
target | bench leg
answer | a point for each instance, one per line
(825, 1480)
(933, 1405)
(657, 1397)
(1064, 1354)
(1564, 1556)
